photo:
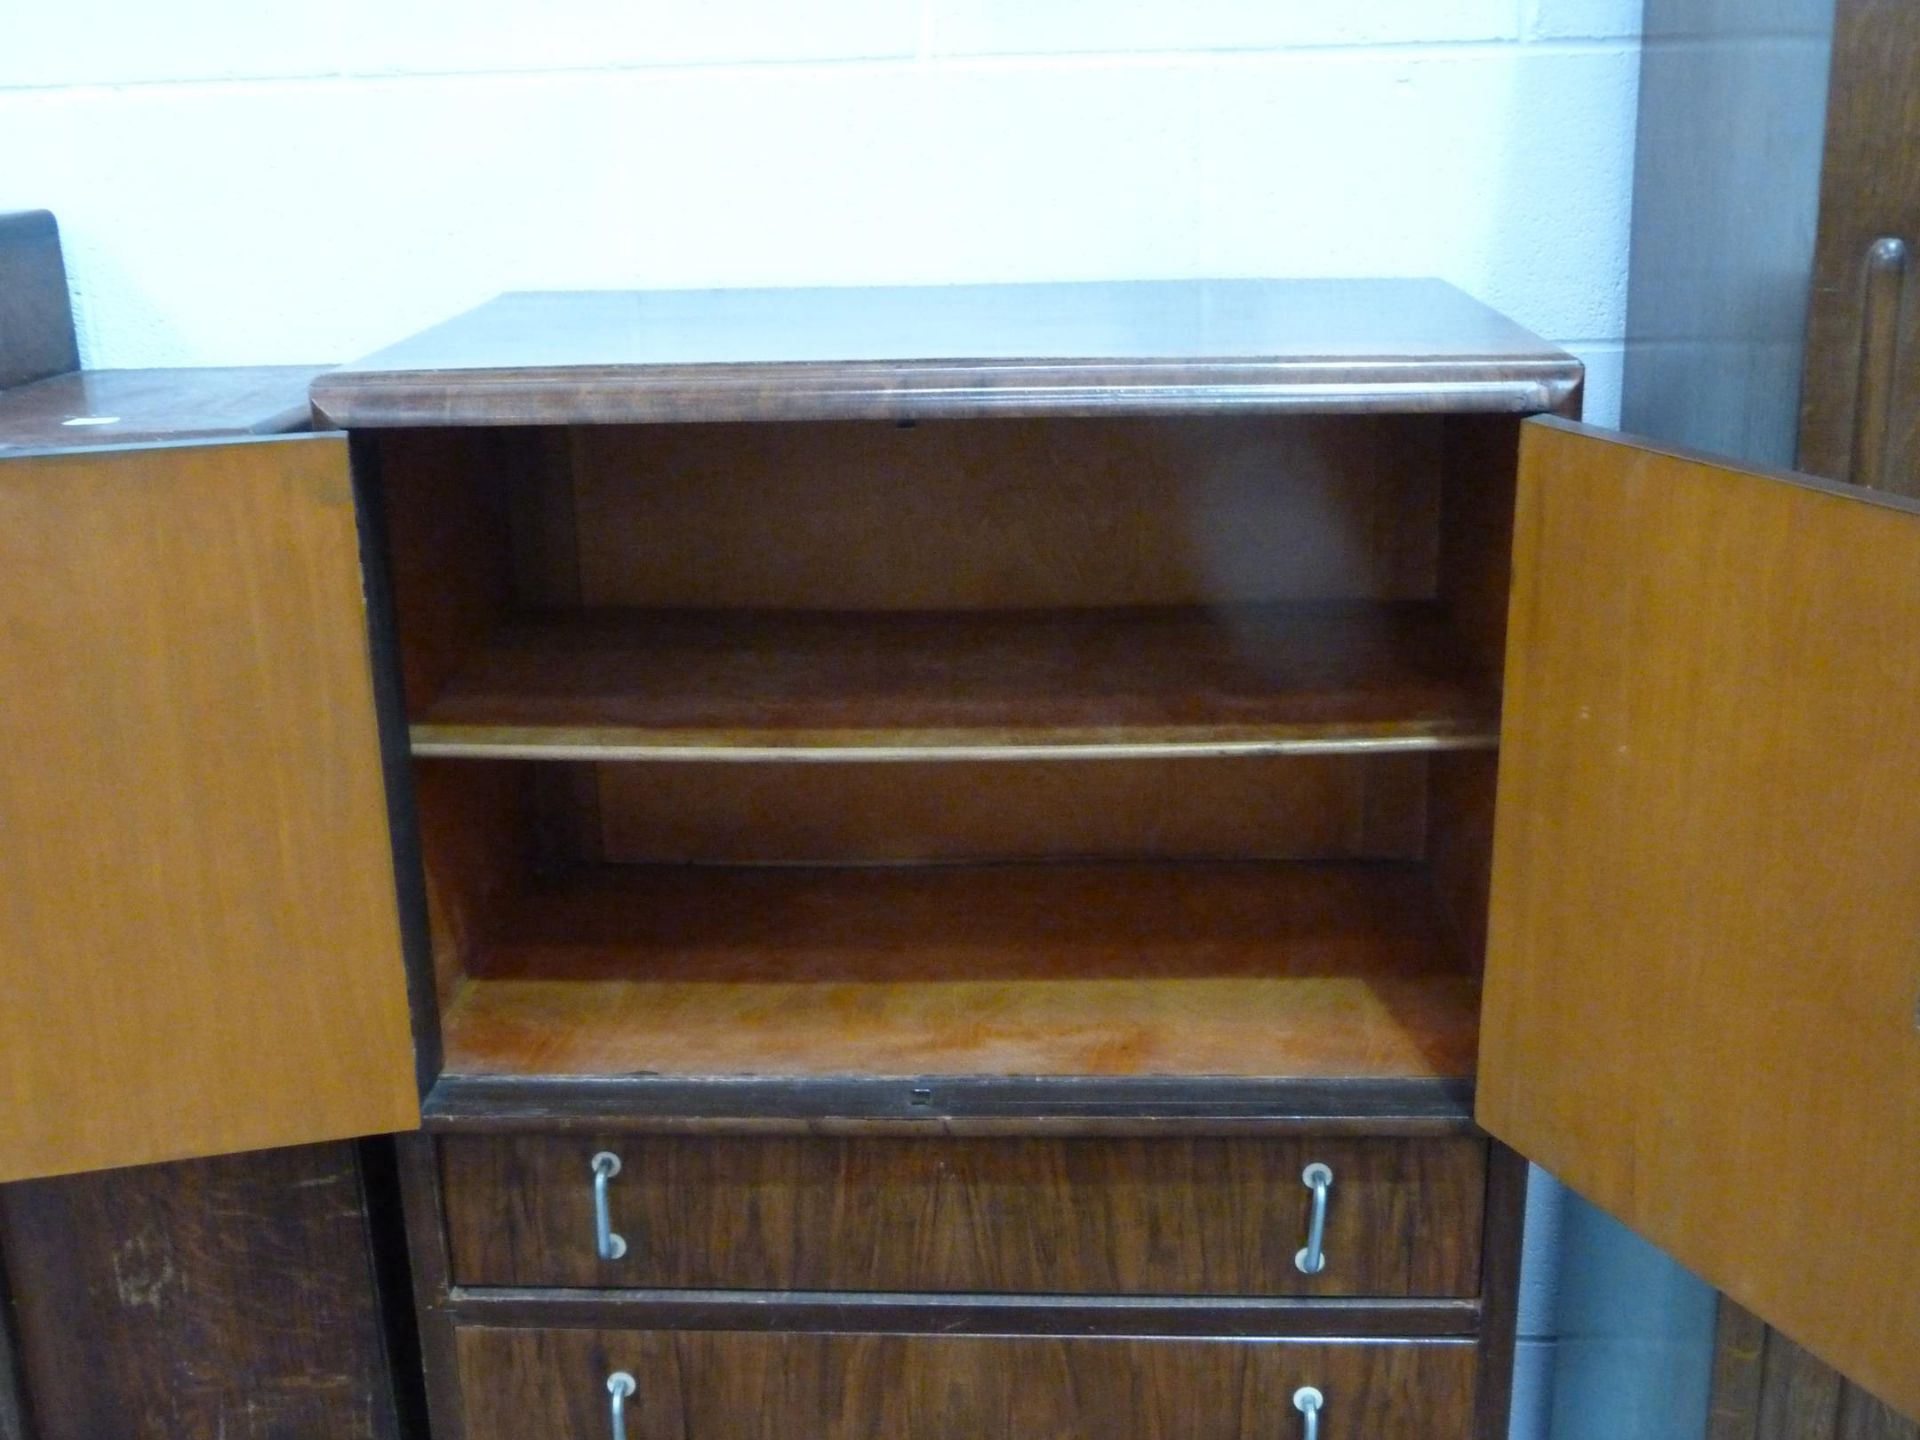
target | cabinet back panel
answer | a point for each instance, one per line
(1296, 807)
(1013, 513)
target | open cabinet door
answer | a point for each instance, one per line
(199, 941)
(1703, 971)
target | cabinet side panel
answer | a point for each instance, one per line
(1860, 398)
(1476, 572)
(232, 1296)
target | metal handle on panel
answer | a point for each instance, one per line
(1312, 1257)
(1306, 1400)
(619, 1386)
(606, 1165)
(1873, 398)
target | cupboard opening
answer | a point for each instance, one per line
(1070, 746)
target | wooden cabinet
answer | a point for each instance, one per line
(239, 1295)
(1088, 1216)
(969, 794)
(875, 1387)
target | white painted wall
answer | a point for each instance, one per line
(254, 181)
(251, 181)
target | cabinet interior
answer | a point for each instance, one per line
(1116, 746)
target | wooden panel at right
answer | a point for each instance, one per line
(1703, 972)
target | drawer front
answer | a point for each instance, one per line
(725, 1385)
(1161, 1216)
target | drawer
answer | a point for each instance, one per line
(728, 1385)
(1093, 1216)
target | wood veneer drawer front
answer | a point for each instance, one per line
(706, 1385)
(1105, 1216)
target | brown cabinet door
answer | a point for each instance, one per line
(1703, 970)
(199, 943)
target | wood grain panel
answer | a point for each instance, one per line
(1702, 976)
(1860, 396)
(450, 550)
(126, 407)
(198, 933)
(1095, 969)
(15, 1418)
(477, 848)
(1767, 1388)
(824, 685)
(898, 352)
(924, 1387)
(1295, 807)
(227, 1297)
(1030, 514)
(1087, 1217)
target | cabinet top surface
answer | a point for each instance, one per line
(905, 352)
(124, 407)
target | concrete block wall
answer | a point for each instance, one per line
(253, 181)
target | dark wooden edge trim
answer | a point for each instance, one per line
(418, 1159)
(957, 1105)
(16, 1411)
(384, 1218)
(1885, 499)
(390, 709)
(1500, 1248)
(851, 1313)
(953, 390)
(1572, 404)
(1739, 1374)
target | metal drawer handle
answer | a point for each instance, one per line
(606, 1165)
(1311, 1258)
(1306, 1400)
(619, 1386)
(1875, 392)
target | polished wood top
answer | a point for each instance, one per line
(959, 350)
(125, 407)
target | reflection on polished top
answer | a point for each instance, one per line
(137, 407)
(1144, 347)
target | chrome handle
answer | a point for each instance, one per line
(619, 1386)
(1306, 1400)
(1311, 1258)
(606, 1165)
(1874, 386)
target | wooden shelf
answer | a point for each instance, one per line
(1252, 679)
(1239, 968)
